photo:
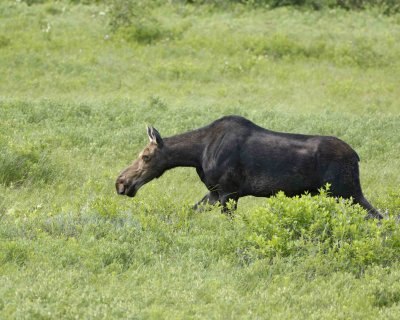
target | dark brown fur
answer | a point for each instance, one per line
(235, 158)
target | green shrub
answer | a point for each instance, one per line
(386, 6)
(321, 228)
(316, 4)
(144, 30)
(135, 22)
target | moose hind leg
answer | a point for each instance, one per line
(372, 212)
(345, 182)
(210, 199)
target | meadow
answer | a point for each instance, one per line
(78, 83)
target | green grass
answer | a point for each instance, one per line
(75, 97)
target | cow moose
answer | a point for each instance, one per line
(235, 158)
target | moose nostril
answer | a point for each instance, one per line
(120, 188)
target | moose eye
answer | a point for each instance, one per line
(145, 158)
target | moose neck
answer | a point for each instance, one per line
(185, 150)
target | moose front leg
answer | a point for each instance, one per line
(225, 200)
(210, 199)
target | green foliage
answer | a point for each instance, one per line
(315, 4)
(127, 10)
(134, 21)
(320, 227)
(386, 6)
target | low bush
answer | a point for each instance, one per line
(387, 6)
(320, 231)
(135, 22)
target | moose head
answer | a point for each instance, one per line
(149, 165)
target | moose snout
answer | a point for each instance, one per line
(120, 186)
(120, 189)
(125, 187)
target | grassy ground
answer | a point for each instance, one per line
(74, 101)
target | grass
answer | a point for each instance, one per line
(74, 100)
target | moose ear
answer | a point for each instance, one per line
(154, 136)
(149, 133)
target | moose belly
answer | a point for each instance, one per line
(292, 180)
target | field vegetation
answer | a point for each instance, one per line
(79, 80)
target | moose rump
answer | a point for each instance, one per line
(234, 158)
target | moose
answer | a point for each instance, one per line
(235, 158)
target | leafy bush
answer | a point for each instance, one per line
(387, 6)
(323, 229)
(135, 22)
